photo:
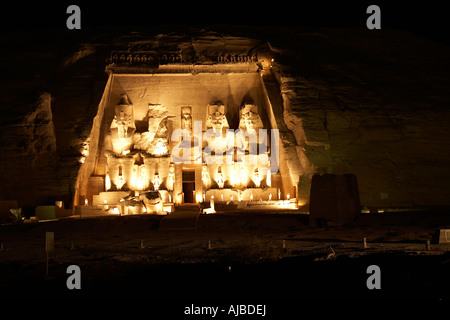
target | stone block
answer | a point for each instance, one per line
(90, 211)
(61, 211)
(111, 197)
(45, 212)
(442, 236)
(334, 199)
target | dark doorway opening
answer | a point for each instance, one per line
(189, 186)
(188, 190)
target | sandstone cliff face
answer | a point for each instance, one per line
(373, 104)
(376, 105)
(29, 152)
(49, 92)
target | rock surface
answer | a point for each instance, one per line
(375, 105)
(371, 104)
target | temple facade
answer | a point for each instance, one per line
(170, 132)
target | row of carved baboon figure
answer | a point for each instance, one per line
(144, 58)
(175, 58)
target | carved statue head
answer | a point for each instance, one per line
(186, 118)
(216, 117)
(250, 118)
(186, 112)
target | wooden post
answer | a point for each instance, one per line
(49, 247)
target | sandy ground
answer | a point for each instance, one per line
(230, 255)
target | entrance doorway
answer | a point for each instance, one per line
(188, 190)
(189, 186)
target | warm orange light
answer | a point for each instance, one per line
(120, 182)
(107, 182)
(257, 178)
(144, 178)
(160, 149)
(140, 184)
(220, 181)
(233, 175)
(205, 176)
(269, 177)
(156, 182)
(170, 179)
(243, 174)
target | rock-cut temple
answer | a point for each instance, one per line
(172, 131)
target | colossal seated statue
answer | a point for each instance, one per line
(216, 118)
(122, 126)
(249, 117)
(216, 122)
(155, 140)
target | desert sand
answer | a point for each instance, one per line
(230, 255)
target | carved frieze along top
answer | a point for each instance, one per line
(153, 59)
(149, 58)
(236, 58)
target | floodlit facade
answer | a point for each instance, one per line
(171, 132)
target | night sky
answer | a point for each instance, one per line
(428, 19)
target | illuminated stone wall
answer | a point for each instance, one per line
(139, 111)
